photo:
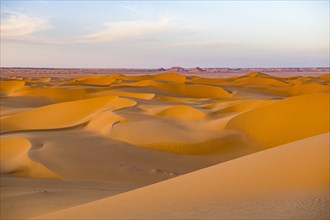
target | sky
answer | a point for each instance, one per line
(154, 34)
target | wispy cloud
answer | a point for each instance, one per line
(136, 30)
(16, 24)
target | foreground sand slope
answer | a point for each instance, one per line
(287, 182)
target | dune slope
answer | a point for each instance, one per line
(287, 182)
(14, 159)
(287, 120)
(62, 114)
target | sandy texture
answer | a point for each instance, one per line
(262, 185)
(122, 132)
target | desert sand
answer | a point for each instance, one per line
(254, 186)
(167, 145)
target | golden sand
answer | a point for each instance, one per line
(256, 186)
(267, 136)
(15, 160)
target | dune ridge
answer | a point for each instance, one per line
(15, 160)
(286, 120)
(176, 112)
(65, 114)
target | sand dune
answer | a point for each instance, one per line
(15, 160)
(172, 99)
(9, 87)
(63, 115)
(182, 112)
(301, 89)
(180, 89)
(56, 94)
(289, 86)
(171, 77)
(286, 120)
(243, 106)
(289, 181)
(103, 122)
(325, 77)
(96, 81)
(138, 95)
(264, 81)
(125, 132)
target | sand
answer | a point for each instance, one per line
(252, 146)
(261, 185)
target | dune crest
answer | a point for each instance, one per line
(103, 122)
(95, 81)
(286, 120)
(10, 87)
(243, 106)
(182, 112)
(15, 160)
(171, 77)
(66, 114)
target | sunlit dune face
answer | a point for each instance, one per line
(15, 160)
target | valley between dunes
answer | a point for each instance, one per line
(165, 146)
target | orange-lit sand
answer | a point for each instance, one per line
(14, 159)
(69, 141)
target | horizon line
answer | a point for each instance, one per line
(156, 68)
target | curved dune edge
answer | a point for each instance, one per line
(56, 94)
(10, 87)
(138, 95)
(179, 136)
(265, 81)
(14, 159)
(103, 122)
(290, 178)
(204, 91)
(171, 77)
(181, 89)
(182, 112)
(93, 80)
(62, 115)
(243, 106)
(286, 120)
(308, 89)
(287, 86)
(228, 142)
(171, 99)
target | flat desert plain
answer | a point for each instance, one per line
(165, 146)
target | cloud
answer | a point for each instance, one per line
(135, 30)
(16, 24)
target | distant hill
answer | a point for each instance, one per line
(244, 70)
(196, 70)
(176, 69)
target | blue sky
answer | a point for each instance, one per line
(152, 34)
